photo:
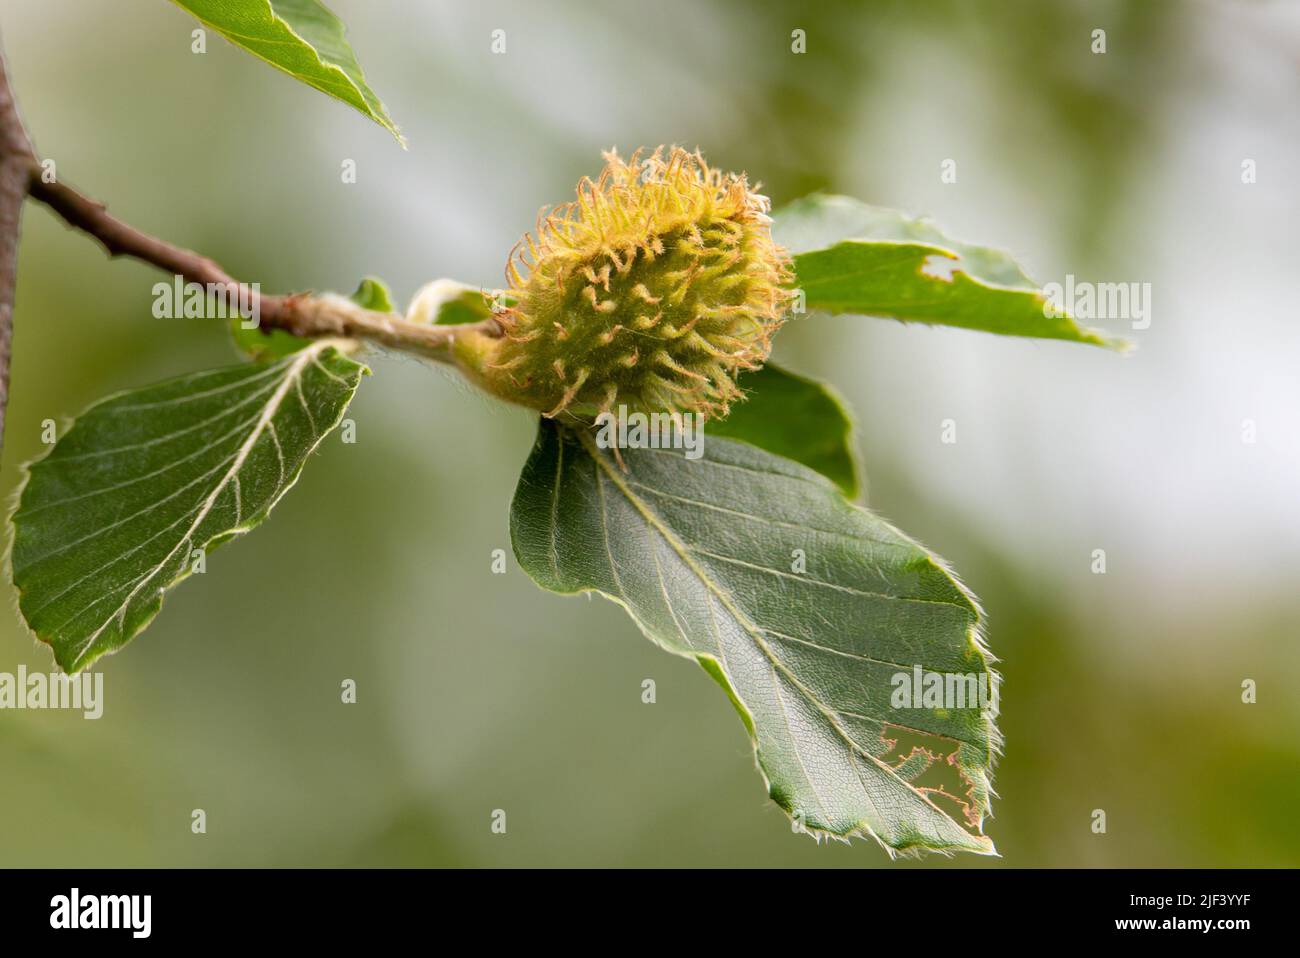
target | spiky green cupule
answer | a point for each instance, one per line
(652, 290)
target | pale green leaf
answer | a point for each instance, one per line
(302, 38)
(146, 483)
(373, 293)
(853, 258)
(447, 302)
(798, 418)
(704, 555)
(262, 344)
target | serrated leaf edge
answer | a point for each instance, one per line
(981, 844)
(71, 668)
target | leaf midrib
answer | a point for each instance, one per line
(346, 84)
(291, 374)
(900, 245)
(749, 627)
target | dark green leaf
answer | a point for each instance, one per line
(798, 418)
(146, 483)
(705, 556)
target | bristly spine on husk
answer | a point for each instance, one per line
(652, 290)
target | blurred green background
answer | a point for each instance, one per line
(478, 691)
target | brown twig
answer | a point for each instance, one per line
(302, 314)
(16, 164)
